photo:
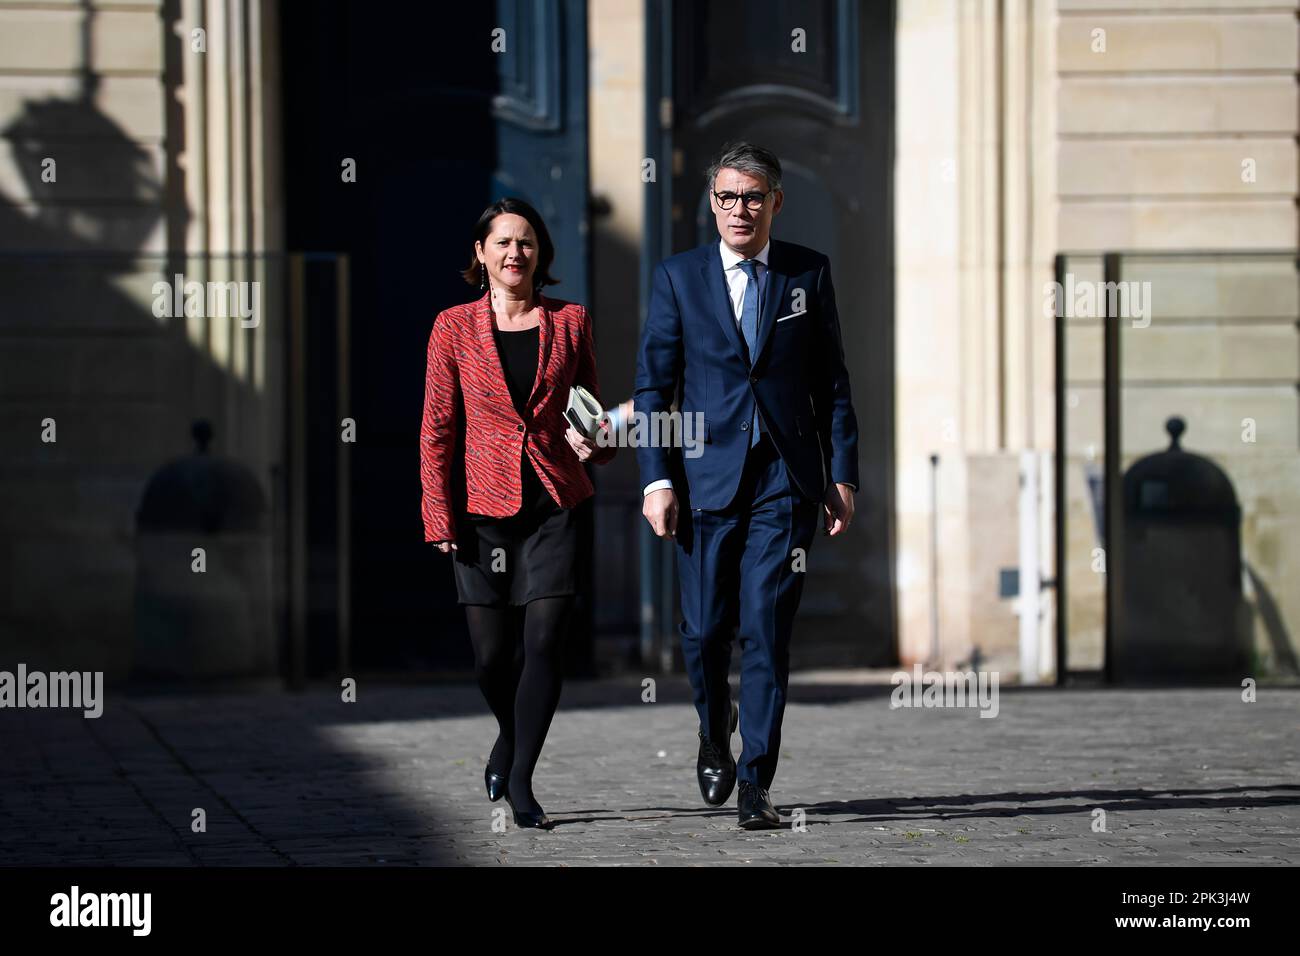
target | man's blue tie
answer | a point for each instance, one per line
(749, 328)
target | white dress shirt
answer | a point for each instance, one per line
(736, 282)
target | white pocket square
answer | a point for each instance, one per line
(791, 315)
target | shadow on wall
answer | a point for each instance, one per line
(1184, 614)
(87, 363)
(84, 349)
(1282, 656)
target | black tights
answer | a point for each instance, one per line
(521, 680)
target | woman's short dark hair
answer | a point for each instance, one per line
(483, 228)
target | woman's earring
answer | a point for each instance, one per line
(483, 278)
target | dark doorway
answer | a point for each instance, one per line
(439, 125)
(823, 101)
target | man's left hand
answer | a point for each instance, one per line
(837, 508)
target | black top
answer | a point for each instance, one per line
(518, 351)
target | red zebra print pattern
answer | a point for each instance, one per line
(465, 394)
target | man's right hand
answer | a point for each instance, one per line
(445, 546)
(660, 509)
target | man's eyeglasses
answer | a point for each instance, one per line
(753, 201)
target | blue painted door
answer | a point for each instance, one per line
(540, 112)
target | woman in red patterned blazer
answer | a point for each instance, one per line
(502, 471)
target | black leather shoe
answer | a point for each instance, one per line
(495, 783)
(537, 821)
(715, 767)
(754, 808)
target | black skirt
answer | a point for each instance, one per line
(510, 561)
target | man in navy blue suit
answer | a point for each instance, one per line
(743, 337)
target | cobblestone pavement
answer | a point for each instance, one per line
(1184, 776)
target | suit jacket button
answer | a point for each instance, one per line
(744, 426)
(753, 379)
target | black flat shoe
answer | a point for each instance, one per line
(715, 767)
(495, 783)
(754, 808)
(536, 821)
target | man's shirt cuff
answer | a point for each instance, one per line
(656, 485)
(615, 418)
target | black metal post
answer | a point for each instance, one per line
(1111, 503)
(1058, 476)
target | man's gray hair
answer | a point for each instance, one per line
(747, 158)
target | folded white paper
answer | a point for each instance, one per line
(584, 412)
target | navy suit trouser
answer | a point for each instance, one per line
(741, 569)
